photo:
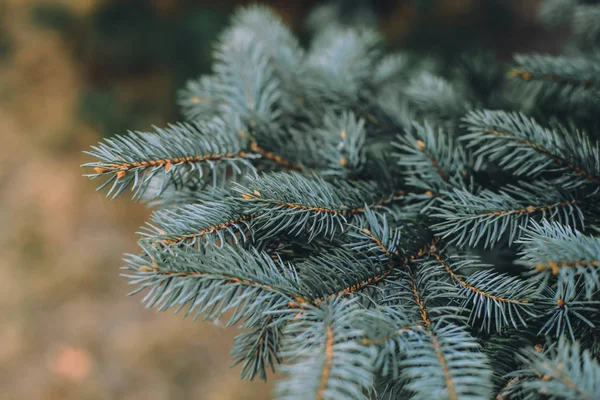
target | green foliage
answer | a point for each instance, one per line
(559, 82)
(562, 371)
(445, 361)
(580, 15)
(337, 204)
(178, 153)
(328, 359)
(554, 250)
(519, 144)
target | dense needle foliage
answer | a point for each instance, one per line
(381, 226)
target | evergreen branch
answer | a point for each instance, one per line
(442, 357)
(199, 99)
(445, 360)
(385, 245)
(435, 98)
(434, 162)
(523, 146)
(295, 203)
(256, 55)
(445, 369)
(552, 249)
(340, 62)
(500, 350)
(490, 297)
(257, 349)
(341, 274)
(329, 362)
(269, 155)
(282, 49)
(419, 301)
(566, 71)
(387, 328)
(566, 311)
(462, 282)
(389, 269)
(337, 274)
(565, 371)
(558, 83)
(431, 157)
(332, 266)
(527, 76)
(195, 224)
(355, 276)
(246, 82)
(214, 282)
(344, 137)
(171, 155)
(468, 219)
(425, 294)
(374, 237)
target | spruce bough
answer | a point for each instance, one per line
(380, 227)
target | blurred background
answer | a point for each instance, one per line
(75, 71)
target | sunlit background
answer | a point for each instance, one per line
(72, 72)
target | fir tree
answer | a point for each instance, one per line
(379, 230)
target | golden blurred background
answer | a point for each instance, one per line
(72, 72)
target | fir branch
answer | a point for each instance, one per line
(271, 156)
(256, 34)
(468, 219)
(246, 82)
(294, 203)
(344, 137)
(444, 358)
(565, 311)
(574, 72)
(565, 371)
(173, 155)
(340, 62)
(425, 294)
(520, 144)
(552, 249)
(257, 350)
(492, 298)
(559, 81)
(434, 98)
(281, 47)
(342, 274)
(214, 282)
(431, 158)
(338, 274)
(328, 360)
(214, 222)
(199, 100)
(365, 304)
(375, 238)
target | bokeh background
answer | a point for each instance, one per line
(74, 71)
